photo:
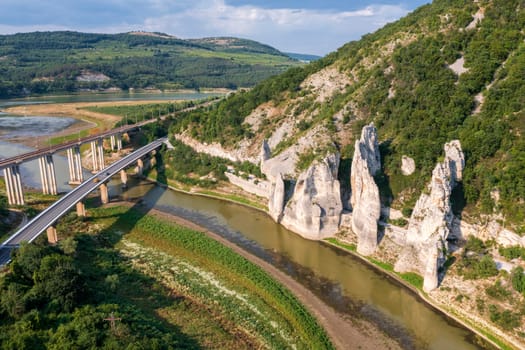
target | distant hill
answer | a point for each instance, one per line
(302, 56)
(64, 61)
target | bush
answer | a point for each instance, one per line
(518, 279)
(497, 291)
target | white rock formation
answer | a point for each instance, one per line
(455, 160)
(432, 220)
(314, 211)
(252, 185)
(276, 199)
(408, 165)
(266, 152)
(365, 193)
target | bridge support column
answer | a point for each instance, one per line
(119, 142)
(97, 155)
(47, 174)
(124, 178)
(104, 195)
(140, 167)
(13, 183)
(81, 209)
(52, 236)
(75, 166)
(112, 142)
(101, 154)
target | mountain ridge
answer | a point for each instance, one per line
(48, 62)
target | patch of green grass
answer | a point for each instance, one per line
(234, 198)
(413, 279)
(336, 242)
(275, 304)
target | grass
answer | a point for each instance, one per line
(234, 198)
(335, 241)
(211, 275)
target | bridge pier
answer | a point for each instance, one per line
(13, 183)
(52, 236)
(124, 178)
(104, 194)
(140, 167)
(81, 209)
(47, 174)
(97, 155)
(75, 166)
(119, 142)
(112, 142)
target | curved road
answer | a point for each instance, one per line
(48, 217)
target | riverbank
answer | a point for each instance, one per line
(343, 333)
(489, 338)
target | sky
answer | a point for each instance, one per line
(308, 26)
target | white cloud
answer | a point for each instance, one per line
(288, 29)
(310, 31)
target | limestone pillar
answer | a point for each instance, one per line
(81, 209)
(124, 178)
(52, 236)
(104, 195)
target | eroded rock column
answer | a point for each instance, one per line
(431, 220)
(366, 206)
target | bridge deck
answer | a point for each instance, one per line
(48, 217)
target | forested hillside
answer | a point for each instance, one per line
(44, 62)
(451, 69)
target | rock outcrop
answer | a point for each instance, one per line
(314, 210)
(432, 219)
(277, 198)
(365, 200)
(252, 185)
(408, 165)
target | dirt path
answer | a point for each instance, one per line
(345, 333)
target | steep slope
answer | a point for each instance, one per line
(420, 80)
(43, 62)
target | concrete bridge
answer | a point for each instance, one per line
(11, 166)
(46, 220)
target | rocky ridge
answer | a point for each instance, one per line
(431, 220)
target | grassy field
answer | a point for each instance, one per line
(245, 300)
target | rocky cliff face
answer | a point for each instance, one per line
(314, 210)
(277, 198)
(431, 220)
(365, 193)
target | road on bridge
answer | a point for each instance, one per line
(48, 217)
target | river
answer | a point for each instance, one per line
(340, 280)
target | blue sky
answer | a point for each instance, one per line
(307, 26)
